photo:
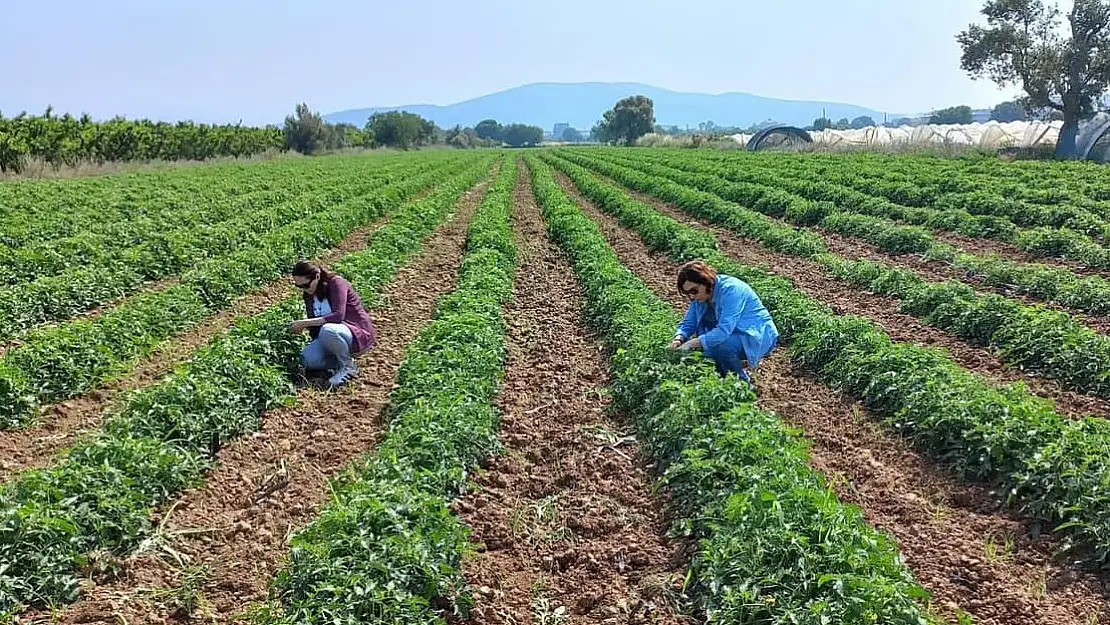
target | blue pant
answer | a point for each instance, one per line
(729, 356)
(331, 349)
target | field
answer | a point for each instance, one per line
(928, 444)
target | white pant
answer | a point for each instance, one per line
(331, 349)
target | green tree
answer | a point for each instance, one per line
(843, 124)
(488, 129)
(520, 135)
(863, 121)
(952, 115)
(571, 135)
(400, 129)
(821, 123)
(1010, 111)
(630, 119)
(1063, 70)
(304, 133)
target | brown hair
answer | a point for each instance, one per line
(306, 269)
(696, 271)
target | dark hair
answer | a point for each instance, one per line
(306, 269)
(696, 271)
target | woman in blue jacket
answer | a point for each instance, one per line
(726, 320)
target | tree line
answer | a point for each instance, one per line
(68, 140)
(307, 132)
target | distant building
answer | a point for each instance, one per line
(558, 130)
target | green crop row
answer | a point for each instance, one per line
(1057, 285)
(1054, 469)
(1013, 201)
(99, 497)
(776, 545)
(37, 210)
(1033, 338)
(64, 361)
(153, 246)
(388, 549)
(122, 271)
(1041, 241)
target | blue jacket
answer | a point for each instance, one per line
(739, 313)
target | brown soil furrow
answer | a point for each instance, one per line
(953, 535)
(1012, 252)
(937, 271)
(274, 482)
(565, 517)
(844, 298)
(63, 423)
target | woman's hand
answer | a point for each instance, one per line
(297, 327)
(692, 344)
(675, 344)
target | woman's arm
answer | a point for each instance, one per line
(338, 292)
(734, 301)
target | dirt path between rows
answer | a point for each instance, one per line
(63, 423)
(566, 517)
(844, 298)
(965, 550)
(1012, 252)
(268, 485)
(938, 271)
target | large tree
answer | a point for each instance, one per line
(489, 129)
(520, 135)
(953, 115)
(306, 132)
(1011, 111)
(863, 121)
(400, 129)
(1064, 70)
(630, 119)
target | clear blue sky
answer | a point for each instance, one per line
(254, 60)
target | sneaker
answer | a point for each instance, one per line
(342, 376)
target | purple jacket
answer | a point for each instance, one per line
(346, 308)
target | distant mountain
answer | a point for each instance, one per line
(582, 104)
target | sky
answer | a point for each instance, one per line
(254, 60)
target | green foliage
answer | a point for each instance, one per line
(1024, 45)
(388, 549)
(1011, 111)
(98, 269)
(63, 361)
(67, 140)
(520, 135)
(863, 121)
(400, 129)
(101, 494)
(822, 123)
(1053, 468)
(952, 115)
(775, 543)
(1033, 338)
(628, 120)
(489, 129)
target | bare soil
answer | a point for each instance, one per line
(569, 529)
(62, 424)
(844, 298)
(233, 531)
(960, 543)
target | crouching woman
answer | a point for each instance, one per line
(726, 320)
(337, 321)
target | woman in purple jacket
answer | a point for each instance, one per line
(337, 321)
